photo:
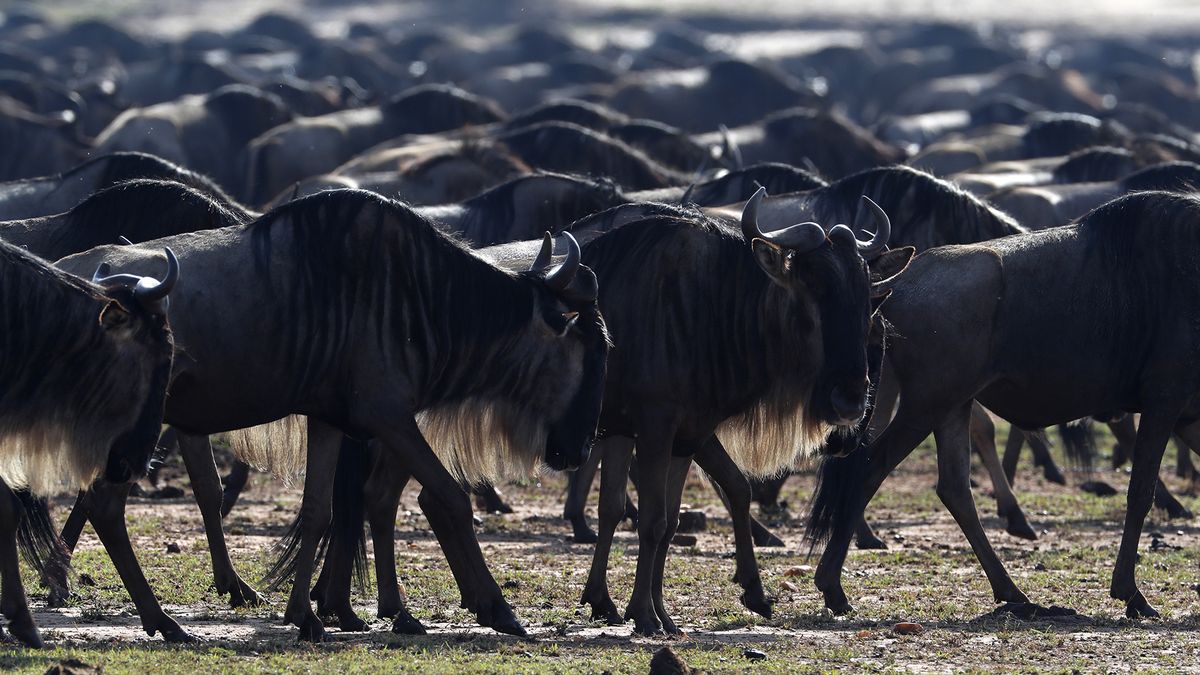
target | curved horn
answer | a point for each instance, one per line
(542, 261)
(561, 276)
(151, 292)
(883, 231)
(750, 216)
(124, 241)
(729, 148)
(687, 194)
(102, 271)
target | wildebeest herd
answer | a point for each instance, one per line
(416, 253)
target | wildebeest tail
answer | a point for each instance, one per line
(36, 535)
(1079, 443)
(348, 479)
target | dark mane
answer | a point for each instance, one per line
(119, 167)
(1094, 165)
(139, 210)
(1064, 133)
(775, 177)
(1168, 176)
(560, 146)
(664, 144)
(583, 113)
(1146, 244)
(430, 108)
(359, 257)
(490, 218)
(925, 211)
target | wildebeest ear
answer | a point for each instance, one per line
(877, 299)
(890, 263)
(771, 257)
(113, 316)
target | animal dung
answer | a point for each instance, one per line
(683, 540)
(908, 628)
(692, 521)
(754, 654)
(798, 571)
(666, 662)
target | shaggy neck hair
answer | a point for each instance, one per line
(57, 423)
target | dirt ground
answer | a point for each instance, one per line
(928, 575)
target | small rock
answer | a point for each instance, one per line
(798, 571)
(683, 540)
(86, 579)
(692, 521)
(754, 654)
(908, 628)
(789, 586)
(667, 662)
(863, 633)
(511, 583)
(173, 547)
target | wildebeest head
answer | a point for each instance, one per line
(135, 328)
(828, 272)
(566, 312)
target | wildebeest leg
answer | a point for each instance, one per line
(1184, 468)
(766, 491)
(1012, 453)
(448, 509)
(1125, 431)
(1166, 501)
(316, 511)
(381, 494)
(617, 451)
(206, 487)
(346, 542)
(654, 450)
(677, 473)
(865, 538)
(1153, 432)
(13, 602)
(57, 575)
(107, 515)
(489, 499)
(953, 438)
(736, 491)
(892, 446)
(759, 534)
(234, 483)
(579, 486)
(983, 439)
(1040, 445)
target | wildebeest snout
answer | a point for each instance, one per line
(849, 402)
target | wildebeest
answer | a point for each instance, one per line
(205, 133)
(379, 325)
(1117, 288)
(312, 146)
(83, 390)
(753, 378)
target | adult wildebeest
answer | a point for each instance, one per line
(1118, 289)
(81, 390)
(774, 362)
(380, 325)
